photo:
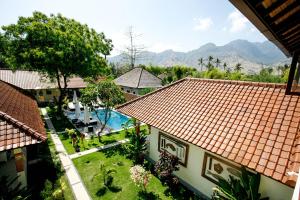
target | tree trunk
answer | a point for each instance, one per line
(137, 127)
(106, 118)
(62, 91)
(59, 108)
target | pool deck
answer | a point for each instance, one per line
(96, 128)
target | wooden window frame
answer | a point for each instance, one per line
(206, 155)
(184, 164)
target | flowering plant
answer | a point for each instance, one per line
(140, 176)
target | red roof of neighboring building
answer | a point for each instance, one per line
(252, 124)
(20, 120)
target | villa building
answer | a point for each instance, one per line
(39, 86)
(21, 131)
(217, 126)
(136, 80)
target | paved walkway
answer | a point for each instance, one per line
(83, 153)
(77, 186)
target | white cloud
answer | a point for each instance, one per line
(203, 24)
(237, 21)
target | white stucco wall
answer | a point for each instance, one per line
(130, 90)
(192, 173)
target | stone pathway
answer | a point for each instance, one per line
(83, 153)
(77, 186)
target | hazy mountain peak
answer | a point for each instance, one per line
(252, 55)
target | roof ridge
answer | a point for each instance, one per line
(239, 82)
(150, 93)
(23, 126)
(139, 78)
(222, 81)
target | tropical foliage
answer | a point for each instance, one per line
(244, 188)
(56, 46)
(214, 69)
(165, 167)
(108, 93)
(137, 146)
(106, 175)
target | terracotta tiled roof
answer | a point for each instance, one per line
(34, 80)
(20, 121)
(138, 78)
(252, 124)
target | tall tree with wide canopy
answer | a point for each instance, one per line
(57, 47)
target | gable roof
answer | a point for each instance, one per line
(252, 124)
(33, 80)
(20, 121)
(138, 78)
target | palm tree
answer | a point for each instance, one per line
(200, 63)
(225, 66)
(270, 70)
(209, 66)
(238, 67)
(218, 62)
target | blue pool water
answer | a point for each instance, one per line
(115, 122)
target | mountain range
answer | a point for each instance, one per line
(252, 55)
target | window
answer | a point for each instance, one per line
(49, 92)
(214, 168)
(41, 93)
(128, 91)
(174, 147)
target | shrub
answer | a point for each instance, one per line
(140, 176)
(165, 167)
(137, 146)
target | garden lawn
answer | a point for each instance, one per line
(123, 187)
(94, 142)
(91, 143)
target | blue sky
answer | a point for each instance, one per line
(181, 25)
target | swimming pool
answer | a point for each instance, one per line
(115, 122)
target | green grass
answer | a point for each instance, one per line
(123, 187)
(92, 143)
